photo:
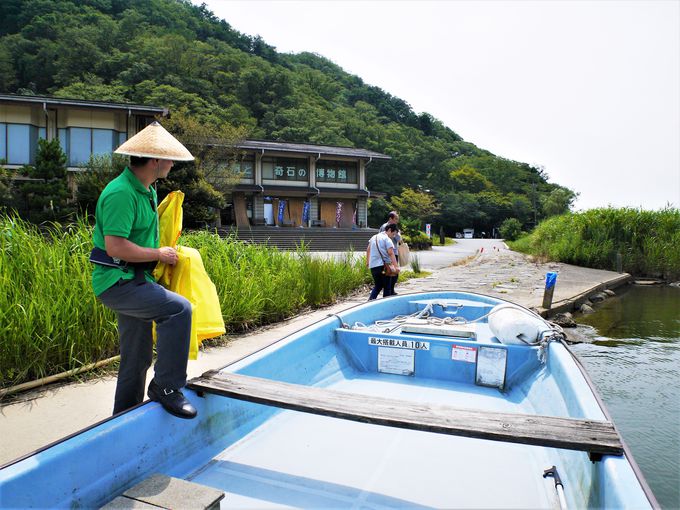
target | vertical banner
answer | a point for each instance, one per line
(354, 217)
(282, 208)
(428, 229)
(305, 212)
(338, 213)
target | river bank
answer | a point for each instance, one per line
(39, 417)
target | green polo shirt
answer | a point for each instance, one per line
(124, 209)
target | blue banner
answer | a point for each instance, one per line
(305, 212)
(282, 208)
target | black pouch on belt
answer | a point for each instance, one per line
(99, 256)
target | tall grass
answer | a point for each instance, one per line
(648, 241)
(50, 320)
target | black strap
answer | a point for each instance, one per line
(381, 255)
(100, 257)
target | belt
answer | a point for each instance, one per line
(100, 257)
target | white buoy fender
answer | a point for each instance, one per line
(515, 326)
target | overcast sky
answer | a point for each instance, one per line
(588, 90)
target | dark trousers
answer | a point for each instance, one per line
(381, 283)
(137, 306)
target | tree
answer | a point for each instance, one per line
(7, 200)
(416, 205)
(378, 209)
(45, 195)
(100, 170)
(93, 89)
(467, 178)
(212, 174)
(7, 74)
(558, 202)
(212, 145)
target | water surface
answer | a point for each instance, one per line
(634, 359)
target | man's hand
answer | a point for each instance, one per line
(167, 255)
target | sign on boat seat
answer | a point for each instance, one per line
(593, 436)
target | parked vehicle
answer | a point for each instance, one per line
(428, 400)
(468, 233)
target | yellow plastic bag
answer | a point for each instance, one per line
(188, 277)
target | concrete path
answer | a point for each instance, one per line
(40, 417)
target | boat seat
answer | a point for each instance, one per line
(593, 436)
(161, 491)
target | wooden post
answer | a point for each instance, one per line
(619, 262)
(550, 279)
(442, 237)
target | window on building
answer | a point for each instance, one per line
(64, 142)
(244, 167)
(285, 169)
(343, 172)
(82, 143)
(142, 122)
(18, 143)
(3, 141)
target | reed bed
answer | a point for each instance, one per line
(50, 320)
(647, 241)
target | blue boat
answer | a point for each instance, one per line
(427, 400)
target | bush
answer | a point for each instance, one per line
(420, 241)
(511, 229)
(647, 240)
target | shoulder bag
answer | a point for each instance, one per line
(387, 271)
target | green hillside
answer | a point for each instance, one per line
(175, 54)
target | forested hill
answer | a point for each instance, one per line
(175, 54)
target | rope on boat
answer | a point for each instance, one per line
(553, 332)
(388, 326)
(343, 324)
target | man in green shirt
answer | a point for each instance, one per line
(126, 249)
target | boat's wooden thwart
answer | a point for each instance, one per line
(593, 436)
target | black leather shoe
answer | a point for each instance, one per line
(173, 401)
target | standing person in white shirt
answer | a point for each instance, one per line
(380, 251)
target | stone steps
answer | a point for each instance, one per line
(314, 239)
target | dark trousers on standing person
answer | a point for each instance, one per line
(137, 307)
(381, 283)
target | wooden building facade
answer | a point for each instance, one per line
(301, 185)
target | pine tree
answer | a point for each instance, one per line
(45, 196)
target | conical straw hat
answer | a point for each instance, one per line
(155, 142)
